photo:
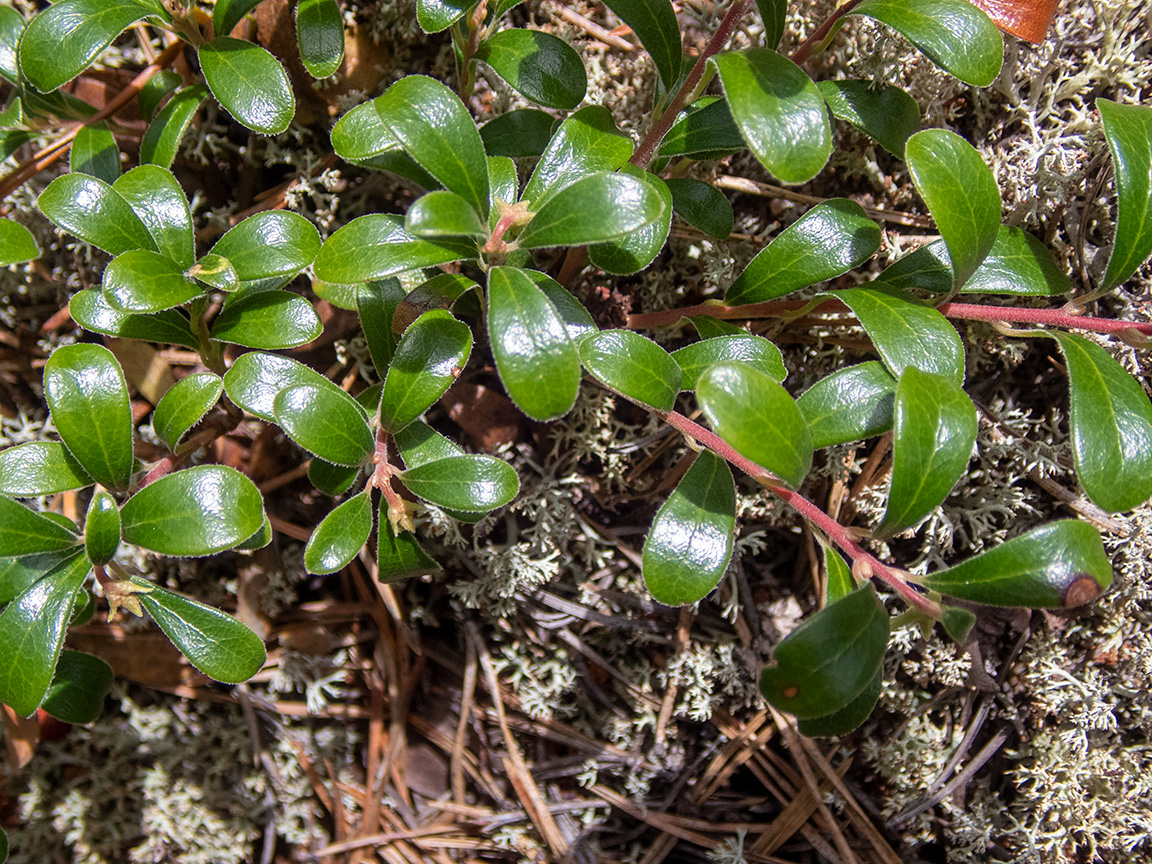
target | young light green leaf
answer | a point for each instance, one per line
(849, 405)
(702, 205)
(162, 138)
(90, 310)
(255, 379)
(249, 82)
(961, 195)
(427, 360)
(63, 40)
(468, 483)
(101, 528)
(693, 533)
(756, 351)
(839, 581)
(847, 718)
(829, 660)
(40, 468)
(538, 65)
(586, 142)
(1056, 566)
(154, 194)
(635, 251)
(267, 320)
(184, 405)
(340, 536)
(194, 512)
(958, 623)
(655, 25)
(518, 133)
(143, 281)
(1128, 130)
(1111, 420)
(226, 14)
(378, 245)
(705, 130)
(216, 644)
(88, 397)
(443, 214)
(503, 182)
(95, 212)
(320, 36)
(376, 302)
(28, 533)
(77, 691)
(272, 243)
(934, 430)
(957, 36)
(594, 209)
(94, 152)
(888, 113)
(16, 243)
(758, 418)
(778, 110)
(535, 357)
(634, 366)
(434, 16)
(830, 239)
(32, 629)
(399, 556)
(905, 331)
(325, 421)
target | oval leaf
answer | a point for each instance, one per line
(162, 138)
(705, 130)
(90, 310)
(249, 82)
(145, 281)
(756, 351)
(16, 243)
(433, 16)
(154, 194)
(94, 152)
(255, 379)
(847, 718)
(77, 691)
(101, 528)
(1128, 130)
(95, 212)
(702, 205)
(40, 468)
(585, 143)
(849, 405)
(268, 320)
(655, 25)
(27, 533)
(443, 214)
(594, 209)
(376, 302)
(538, 65)
(340, 536)
(325, 421)
(575, 317)
(272, 243)
(431, 354)
(399, 556)
(184, 405)
(378, 245)
(519, 133)
(636, 250)
(320, 36)
(633, 366)
(888, 114)
(473, 484)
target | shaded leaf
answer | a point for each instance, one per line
(340, 536)
(518, 133)
(378, 245)
(249, 82)
(268, 320)
(849, 405)
(958, 623)
(155, 89)
(226, 14)
(634, 366)
(709, 327)
(469, 483)
(427, 360)
(17, 574)
(655, 25)
(702, 205)
(399, 556)
(705, 130)
(184, 405)
(376, 302)
(162, 138)
(847, 718)
(839, 581)
(537, 65)
(94, 152)
(28, 533)
(1128, 130)
(95, 212)
(77, 691)
(888, 113)
(756, 351)
(333, 479)
(40, 468)
(773, 14)
(91, 311)
(320, 36)
(272, 243)
(594, 209)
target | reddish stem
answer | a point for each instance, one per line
(821, 33)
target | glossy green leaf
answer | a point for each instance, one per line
(101, 528)
(705, 130)
(905, 331)
(268, 320)
(28, 533)
(887, 113)
(378, 245)
(537, 65)
(1111, 420)
(95, 212)
(433, 16)
(829, 660)
(830, 239)
(634, 366)
(154, 194)
(140, 280)
(94, 152)
(443, 214)
(16, 243)
(957, 36)
(1128, 130)
(756, 351)
(518, 133)
(161, 140)
(155, 90)
(778, 110)
(758, 418)
(655, 25)
(933, 432)
(216, 272)
(427, 360)
(255, 379)
(40, 468)
(194, 512)
(249, 82)
(436, 130)
(839, 581)
(419, 443)
(77, 691)
(693, 533)
(184, 405)
(18, 574)
(340, 536)
(376, 302)
(88, 397)
(362, 137)
(961, 195)
(32, 629)
(215, 643)
(594, 209)
(851, 404)
(91, 310)
(773, 14)
(320, 36)
(11, 28)
(340, 296)
(636, 250)
(1058, 565)
(535, 357)
(847, 718)
(325, 421)
(576, 319)
(702, 205)
(226, 14)
(469, 483)
(399, 556)
(272, 243)
(587, 142)
(63, 40)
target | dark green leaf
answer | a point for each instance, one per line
(399, 556)
(756, 351)
(255, 379)
(830, 659)
(155, 89)
(575, 317)
(325, 421)
(594, 209)
(958, 623)
(1058, 565)
(887, 113)
(18, 574)
(185, 405)
(443, 214)
(226, 14)
(440, 292)
(634, 366)
(847, 718)
(849, 405)
(586, 142)
(655, 25)
(709, 327)
(272, 243)
(140, 280)
(216, 644)
(518, 133)
(1128, 130)
(692, 536)
(161, 140)
(705, 131)
(702, 205)
(961, 195)
(154, 194)
(535, 357)
(474, 484)
(378, 245)
(934, 429)
(758, 418)
(830, 239)
(427, 360)
(40, 468)
(94, 212)
(839, 581)
(28, 533)
(333, 479)
(635, 251)
(773, 14)
(433, 16)
(88, 397)
(94, 152)
(16, 243)
(32, 631)
(194, 512)
(249, 82)
(268, 320)
(91, 311)
(101, 528)
(778, 110)
(320, 36)
(538, 65)
(340, 536)
(376, 303)
(77, 691)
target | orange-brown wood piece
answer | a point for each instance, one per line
(1028, 19)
